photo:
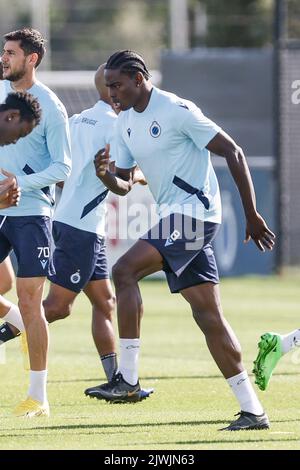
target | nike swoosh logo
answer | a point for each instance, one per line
(241, 381)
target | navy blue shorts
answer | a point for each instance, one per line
(79, 257)
(30, 238)
(185, 246)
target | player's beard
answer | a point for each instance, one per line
(17, 74)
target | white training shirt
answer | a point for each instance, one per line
(42, 158)
(167, 141)
(82, 204)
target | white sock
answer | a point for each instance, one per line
(14, 317)
(245, 394)
(129, 358)
(38, 385)
(290, 341)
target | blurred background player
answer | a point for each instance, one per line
(271, 348)
(170, 139)
(42, 159)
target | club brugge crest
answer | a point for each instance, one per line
(155, 129)
(75, 278)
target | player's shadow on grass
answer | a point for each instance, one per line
(225, 441)
(133, 425)
(124, 426)
(262, 439)
(172, 423)
(165, 377)
(197, 442)
(114, 429)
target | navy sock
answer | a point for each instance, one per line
(6, 333)
(110, 365)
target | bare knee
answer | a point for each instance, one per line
(55, 311)
(109, 307)
(122, 276)
(210, 322)
(105, 307)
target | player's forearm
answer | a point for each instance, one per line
(116, 184)
(222, 144)
(240, 172)
(58, 171)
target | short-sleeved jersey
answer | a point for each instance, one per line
(82, 204)
(167, 141)
(40, 159)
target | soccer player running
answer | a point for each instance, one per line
(271, 348)
(35, 164)
(19, 114)
(79, 230)
(79, 257)
(171, 140)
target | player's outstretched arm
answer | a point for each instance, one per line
(256, 227)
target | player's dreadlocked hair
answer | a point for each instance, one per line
(27, 105)
(128, 62)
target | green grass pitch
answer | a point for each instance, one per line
(191, 399)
